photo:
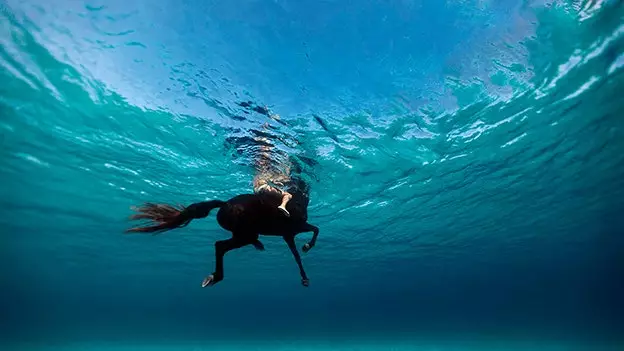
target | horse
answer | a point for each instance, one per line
(246, 216)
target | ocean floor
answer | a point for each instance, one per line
(309, 345)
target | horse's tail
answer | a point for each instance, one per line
(166, 217)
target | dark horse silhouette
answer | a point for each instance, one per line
(247, 216)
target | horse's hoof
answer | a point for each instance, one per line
(209, 280)
(306, 247)
(305, 282)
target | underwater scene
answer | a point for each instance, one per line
(311, 175)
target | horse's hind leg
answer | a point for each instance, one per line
(258, 245)
(221, 248)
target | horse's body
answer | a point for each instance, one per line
(247, 216)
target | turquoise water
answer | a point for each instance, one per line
(465, 163)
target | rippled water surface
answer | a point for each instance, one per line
(465, 160)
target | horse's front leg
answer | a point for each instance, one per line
(290, 241)
(312, 242)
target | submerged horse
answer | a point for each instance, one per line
(247, 216)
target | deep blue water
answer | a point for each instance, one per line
(465, 160)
